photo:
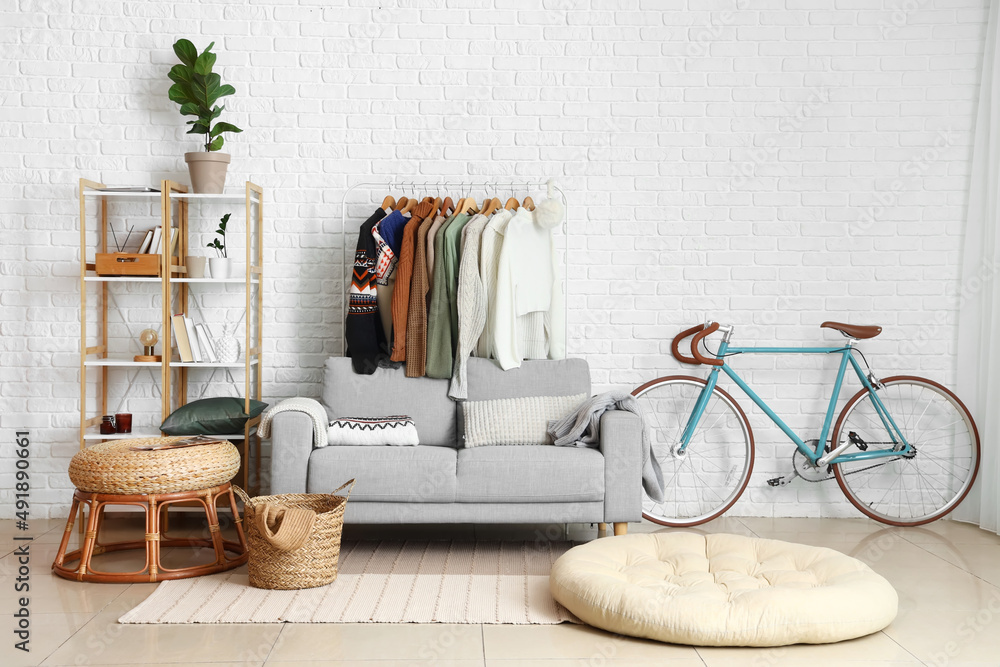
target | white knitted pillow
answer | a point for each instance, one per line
(515, 421)
(395, 430)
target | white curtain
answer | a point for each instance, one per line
(979, 309)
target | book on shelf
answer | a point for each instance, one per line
(193, 441)
(154, 245)
(173, 240)
(205, 343)
(192, 339)
(129, 188)
(147, 241)
(181, 337)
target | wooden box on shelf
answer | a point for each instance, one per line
(128, 264)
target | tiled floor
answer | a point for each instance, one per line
(947, 576)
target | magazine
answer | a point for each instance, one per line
(192, 441)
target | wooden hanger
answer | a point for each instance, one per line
(512, 204)
(468, 205)
(446, 205)
(434, 207)
(410, 205)
(400, 203)
(388, 202)
(528, 203)
(491, 205)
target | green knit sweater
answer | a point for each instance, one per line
(440, 341)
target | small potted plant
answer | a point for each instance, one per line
(219, 266)
(197, 88)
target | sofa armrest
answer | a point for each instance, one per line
(621, 444)
(291, 445)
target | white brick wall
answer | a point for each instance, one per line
(770, 163)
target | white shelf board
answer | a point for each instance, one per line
(121, 279)
(208, 364)
(137, 435)
(122, 195)
(226, 281)
(126, 362)
(224, 198)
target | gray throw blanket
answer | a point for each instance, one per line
(582, 429)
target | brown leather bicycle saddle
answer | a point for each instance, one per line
(853, 330)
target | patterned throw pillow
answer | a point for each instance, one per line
(395, 430)
(515, 421)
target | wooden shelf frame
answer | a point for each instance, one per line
(175, 202)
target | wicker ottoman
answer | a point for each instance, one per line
(111, 473)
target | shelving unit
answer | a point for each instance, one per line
(177, 292)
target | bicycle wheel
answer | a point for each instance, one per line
(926, 484)
(710, 475)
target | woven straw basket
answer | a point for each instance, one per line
(312, 564)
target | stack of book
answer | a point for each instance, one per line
(194, 341)
(151, 241)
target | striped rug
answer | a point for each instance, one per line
(382, 582)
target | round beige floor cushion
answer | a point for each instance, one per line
(721, 590)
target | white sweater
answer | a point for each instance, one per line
(489, 259)
(529, 321)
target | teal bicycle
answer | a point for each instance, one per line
(904, 449)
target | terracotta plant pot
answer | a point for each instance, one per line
(208, 171)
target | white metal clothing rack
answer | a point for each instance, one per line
(406, 187)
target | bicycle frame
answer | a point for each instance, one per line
(846, 357)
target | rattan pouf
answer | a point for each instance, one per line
(111, 473)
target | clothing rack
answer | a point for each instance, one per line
(407, 187)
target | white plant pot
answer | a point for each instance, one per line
(219, 267)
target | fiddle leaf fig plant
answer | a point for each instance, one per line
(197, 89)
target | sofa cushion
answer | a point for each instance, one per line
(389, 392)
(515, 421)
(542, 377)
(530, 474)
(418, 474)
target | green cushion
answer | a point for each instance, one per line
(222, 415)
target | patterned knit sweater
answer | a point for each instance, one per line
(363, 331)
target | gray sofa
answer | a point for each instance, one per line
(440, 481)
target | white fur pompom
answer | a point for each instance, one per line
(549, 213)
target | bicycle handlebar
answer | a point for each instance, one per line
(700, 332)
(675, 345)
(698, 337)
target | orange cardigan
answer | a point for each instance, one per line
(404, 274)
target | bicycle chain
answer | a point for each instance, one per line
(854, 472)
(877, 465)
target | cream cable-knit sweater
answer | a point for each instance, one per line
(471, 304)
(489, 258)
(529, 318)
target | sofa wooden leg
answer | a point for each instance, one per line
(621, 528)
(602, 527)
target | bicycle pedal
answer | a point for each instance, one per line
(857, 441)
(781, 481)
